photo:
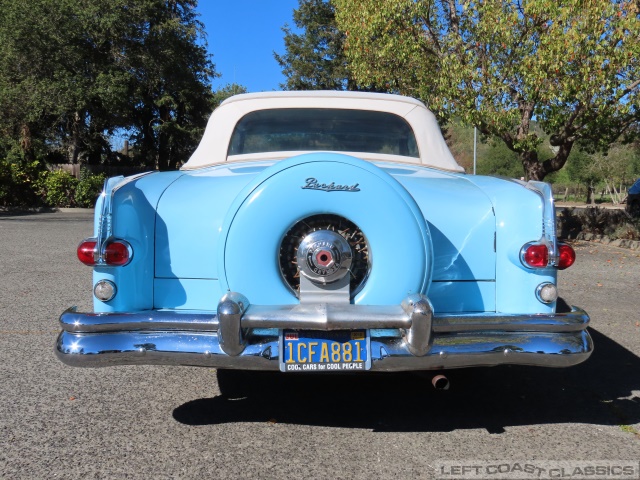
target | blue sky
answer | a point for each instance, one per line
(242, 36)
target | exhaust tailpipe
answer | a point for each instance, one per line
(440, 382)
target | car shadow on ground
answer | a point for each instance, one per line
(598, 391)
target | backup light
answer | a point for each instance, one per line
(547, 292)
(104, 290)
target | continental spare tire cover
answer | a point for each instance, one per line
(291, 190)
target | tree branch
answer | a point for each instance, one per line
(557, 162)
(453, 17)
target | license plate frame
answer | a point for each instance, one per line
(297, 345)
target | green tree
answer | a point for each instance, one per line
(572, 65)
(582, 169)
(499, 160)
(172, 73)
(72, 73)
(59, 85)
(314, 59)
(229, 90)
(614, 170)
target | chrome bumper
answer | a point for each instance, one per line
(403, 337)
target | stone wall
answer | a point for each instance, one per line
(608, 226)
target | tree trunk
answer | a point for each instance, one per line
(148, 143)
(74, 146)
(535, 170)
(590, 190)
(615, 196)
(164, 141)
(25, 141)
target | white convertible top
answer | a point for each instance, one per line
(214, 145)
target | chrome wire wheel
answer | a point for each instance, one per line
(360, 264)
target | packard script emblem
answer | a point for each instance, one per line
(313, 184)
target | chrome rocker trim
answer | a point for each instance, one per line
(403, 337)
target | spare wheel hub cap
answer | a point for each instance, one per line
(324, 256)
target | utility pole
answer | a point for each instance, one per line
(475, 138)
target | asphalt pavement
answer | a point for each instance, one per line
(170, 422)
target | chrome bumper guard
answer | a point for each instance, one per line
(403, 337)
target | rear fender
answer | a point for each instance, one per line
(131, 207)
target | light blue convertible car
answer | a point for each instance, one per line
(324, 232)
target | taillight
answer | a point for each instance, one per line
(87, 252)
(535, 255)
(117, 253)
(566, 256)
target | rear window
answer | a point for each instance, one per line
(314, 129)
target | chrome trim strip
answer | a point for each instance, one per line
(261, 352)
(126, 180)
(321, 317)
(573, 321)
(105, 225)
(548, 218)
(148, 320)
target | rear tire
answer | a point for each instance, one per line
(235, 384)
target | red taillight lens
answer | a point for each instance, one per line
(536, 255)
(86, 252)
(566, 256)
(117, 253)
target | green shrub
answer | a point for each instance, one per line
(29, 184)
(20, 183)
(60, 188)
(89, 188)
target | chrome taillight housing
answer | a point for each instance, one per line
(114, 252)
